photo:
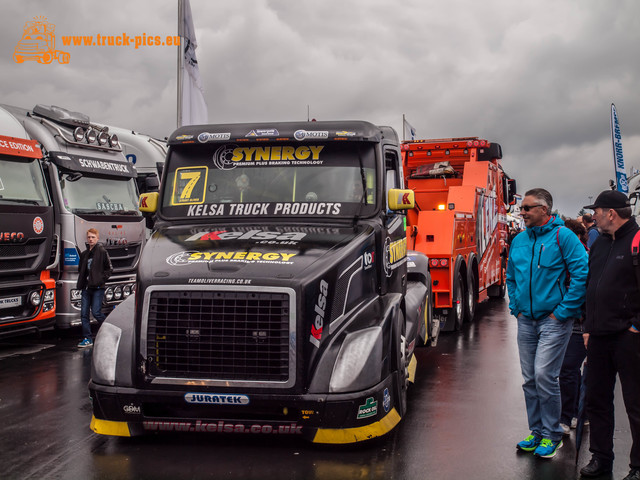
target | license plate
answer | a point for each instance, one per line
(9, 302)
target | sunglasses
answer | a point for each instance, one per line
(526, 208)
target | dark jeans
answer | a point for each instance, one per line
(91, 299)
(607, 355)
(570, 377)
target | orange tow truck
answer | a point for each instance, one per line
(462, 196)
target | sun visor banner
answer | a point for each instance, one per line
(96, 166)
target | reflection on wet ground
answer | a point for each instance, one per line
(466, 413)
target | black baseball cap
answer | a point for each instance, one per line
(610, 199)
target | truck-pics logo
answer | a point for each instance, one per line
(321, 304)
(216, 399)
(38, 43)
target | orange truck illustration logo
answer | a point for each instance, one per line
(38, 43)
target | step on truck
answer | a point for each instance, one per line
(462, 196)
(92, 185)
(275, 295)
(27, 291)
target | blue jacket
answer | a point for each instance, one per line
(536, 272)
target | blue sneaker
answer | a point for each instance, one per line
(529, 444)
(547, 448)
(87, 342)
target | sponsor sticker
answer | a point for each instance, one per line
(369, 409)
(263, 132)
(310, 134)
(386, 400)
(205, 137)
(191, 257)
(132, 409)
(216, 399)
(319, 310)
(9, 302)
(38, 225)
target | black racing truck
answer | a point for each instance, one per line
(275, 295)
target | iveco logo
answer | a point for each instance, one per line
(11, 237)
(216, 399)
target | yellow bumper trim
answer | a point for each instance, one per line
(358, 434)
(107, 427)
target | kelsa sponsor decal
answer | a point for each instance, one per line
(189, 257)
(310, 134)
(369, 409)
(395, 254)
(250, 235)
(319, 309)
(222, 427)
(38, 225)
(263, 209)
(205, 137)
(216, 399)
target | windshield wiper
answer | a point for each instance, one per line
(19, 200)
(125, 212)
(89, 211)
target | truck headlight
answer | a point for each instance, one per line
(117, 293)
(358, 363)
(126, 291)
(48, 295)
(105, 354)
(35, 298)
(108, 294)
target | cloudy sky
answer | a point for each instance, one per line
(538, 77)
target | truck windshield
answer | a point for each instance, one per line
(22, 181)
(283, 180)
(99, 195)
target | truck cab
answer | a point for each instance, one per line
(27, 291)
(91, 185)
(276, 293)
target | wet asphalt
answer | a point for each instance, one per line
(466, 414)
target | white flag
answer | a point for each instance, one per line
(408, 128)
(193, 107)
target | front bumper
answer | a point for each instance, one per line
(333, 418)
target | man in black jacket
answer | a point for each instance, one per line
(94, 270)
(612, 337)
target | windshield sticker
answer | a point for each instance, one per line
(188, 189)
(230, 156)
(310, 134)
(250, 235)
(191, 257)
(264, 209)
(110, 207)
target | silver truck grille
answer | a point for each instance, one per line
(220, 336)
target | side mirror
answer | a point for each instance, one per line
(151, 183)
(148, 202)
(511, 200)
(401, 199)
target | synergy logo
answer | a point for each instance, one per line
(38, 43)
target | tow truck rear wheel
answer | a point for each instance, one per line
(472, 296)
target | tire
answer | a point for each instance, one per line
(471, 296)
(46, 58)
(18, 58)
(455, 316)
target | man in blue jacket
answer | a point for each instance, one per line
(540, 258)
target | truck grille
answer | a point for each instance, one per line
(220, 335)
(124, 258)
(21, 257)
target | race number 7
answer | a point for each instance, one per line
(192, 178)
